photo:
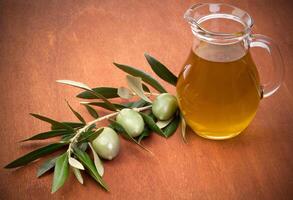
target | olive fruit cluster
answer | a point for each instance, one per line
(107, 144)
(164, 108)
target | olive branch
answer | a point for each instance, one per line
(78, 136)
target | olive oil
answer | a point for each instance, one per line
(218, 90)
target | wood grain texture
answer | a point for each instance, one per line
(42, 41)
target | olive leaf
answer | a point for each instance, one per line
(116, 126)
(161, 70)
(145, 88)
(104, 105)
(78, 116)
(98, 163)
(139, 103)
(35, 155)
(151, 115)
(172, 127)
(124, 93)
(147, 78)
(145, 133)
(163, 124)
(86, 135)
(46, 166)
(61, 172)
(90, 127)
(52, 122)
(82, 146)
(91, 111)
(71, 124)
(183, 127)
(77, 175)
(87, 88)
(107, 92)
(136, 104)
(75, 163)
(75, 84)
(152, 124)
(134, 83)
(48, 134)
(66, 138)
(90, 135)
(88, 163)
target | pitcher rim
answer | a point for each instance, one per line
(210, 34)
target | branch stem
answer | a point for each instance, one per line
(74, 140)
(151, 93)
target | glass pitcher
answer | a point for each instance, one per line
(219, 88)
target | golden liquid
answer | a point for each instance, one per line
(218, 90)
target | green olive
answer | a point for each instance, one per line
(107, 144)
(131, 121)
(164, 106)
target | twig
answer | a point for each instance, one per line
(80, 131)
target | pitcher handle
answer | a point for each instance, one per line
(258, 40)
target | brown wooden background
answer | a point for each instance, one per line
(42, 41)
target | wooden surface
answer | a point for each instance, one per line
(42, 41)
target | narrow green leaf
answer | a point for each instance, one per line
(61, 172)
(35, 155)
(152, 124)
(49, 134)
(91, 111)
(52, 122)
(66, 138)
(77, 175)
(91, 127)
(77, 115)
(106, 101)
(145, 88)
(86, 135)
(172, 127)
(46, 166)
(128, 104)
(151, 115)
(147, 78)
(145, 133)
(107, 92)
(90, 135)
(161, 70)
(83, 146)
(134, 83)
(87, 88)
(71, 124)
(98, 163)
(136, 104)
(88, 163)
(104, 105)
(116, 126)
(140, 103)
